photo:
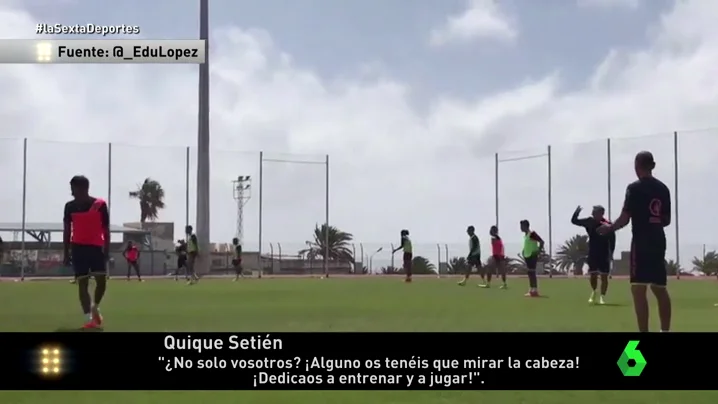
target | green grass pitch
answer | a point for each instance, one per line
(366, 304)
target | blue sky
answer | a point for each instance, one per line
(410, 99)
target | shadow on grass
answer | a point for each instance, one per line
(69, 329)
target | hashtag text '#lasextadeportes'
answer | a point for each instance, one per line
(233, 342)
(86, 29)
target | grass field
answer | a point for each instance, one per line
(368, 304)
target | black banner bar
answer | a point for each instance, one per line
(356, 361)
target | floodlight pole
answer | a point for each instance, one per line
(242, 193)
(203, 140)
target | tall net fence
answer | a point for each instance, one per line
(477, 197)
(695, 216)
(11, 201)
(227, 167)
(294, 208)
(131, 167)
(51, 165)
(623, 153)
(580, 178)
(285, 199)
(523, 194)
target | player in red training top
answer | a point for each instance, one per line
(498, 256)
(86, 238)
(132, 256)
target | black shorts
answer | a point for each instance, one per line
(236, 262)
(181, 262)
(648, 264)
(88, 260)
(531, 262)
(408, 257)
(498, 259)
(599, 265)
(474, 261)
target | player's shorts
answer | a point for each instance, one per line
(181, 262)
(648, 264)
(599, 265)
(531, 262)
(88, 260)
(474, 261)
(236, 262)
(498, 259)
(408, 257)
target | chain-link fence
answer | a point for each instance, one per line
(285, 197)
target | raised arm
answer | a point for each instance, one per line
(579, 222)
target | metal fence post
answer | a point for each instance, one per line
(608, 187)
(326, 218)
(24, 209)
(259, 224)
(438, 257)
(496, 187)
(675, 201)
(109, 179)
(186, 188)
(608, 179)
(550, 224)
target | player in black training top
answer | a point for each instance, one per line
(237, 259)
(648, 208)
(473, 260)
(600, 250)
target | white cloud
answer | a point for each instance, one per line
(482, 19)
(628, 4)
(391, 167)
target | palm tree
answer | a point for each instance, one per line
(389, 270)
(518, 264)
(422, 266)
(572, 254)
(458, 265)
(151, 196)
(672, 267)
(707, 265)
(339, 244)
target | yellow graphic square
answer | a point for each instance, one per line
(50, 361)
(43, 52)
